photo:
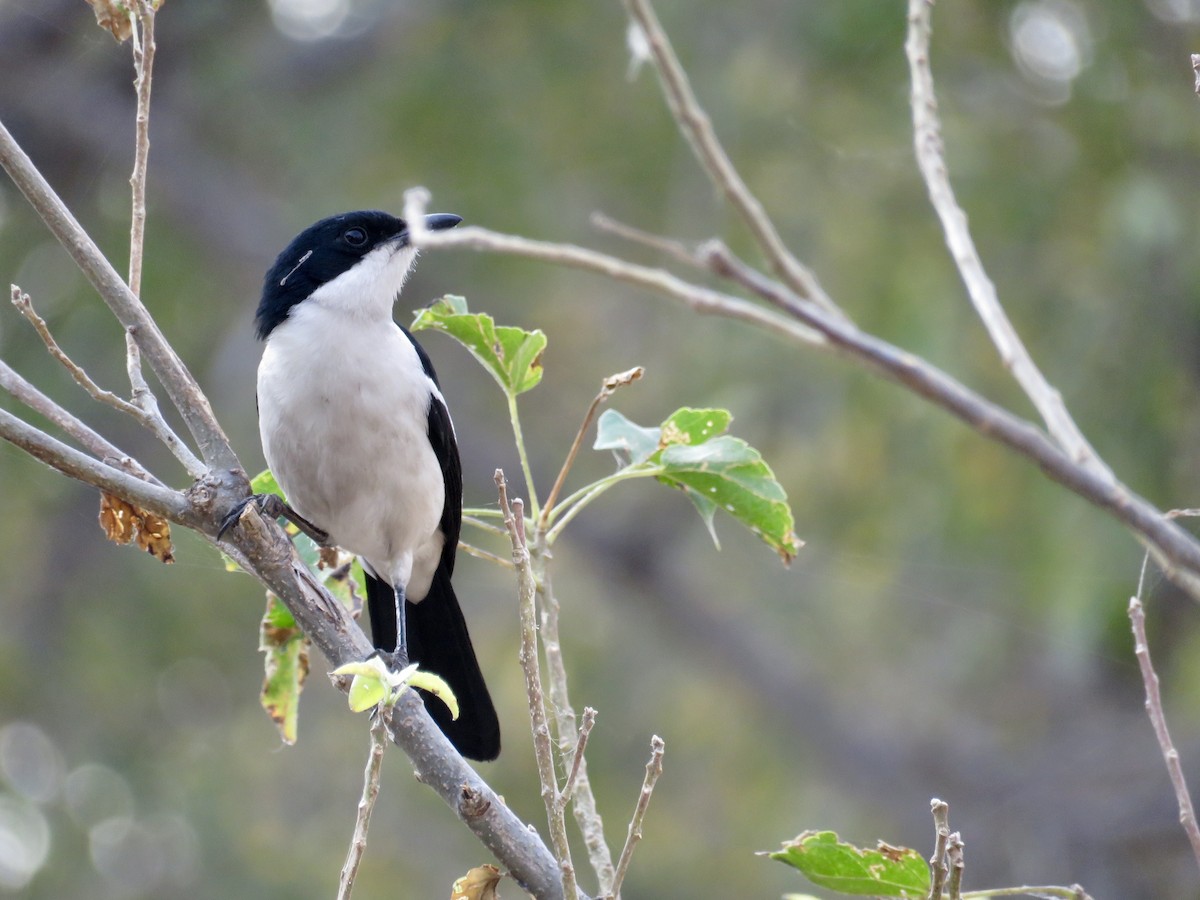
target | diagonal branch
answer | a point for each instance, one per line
(181, 387)
(95, 443)
(696, 127)
(165, 502)
(804, 323)
(927, 138)
(148, 417)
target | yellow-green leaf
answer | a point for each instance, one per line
(512, 355)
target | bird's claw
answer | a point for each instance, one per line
(274, 507)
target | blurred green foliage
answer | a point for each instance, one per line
(955, 625)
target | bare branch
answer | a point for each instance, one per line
(542, 747)
(1176, 551)
(954, 854)
(583, 805)
(150, 419)
(165, 502)
(698, 299)
(143, 62)
(653, 770)
(696, 126)
(142, 32)
(677, 250)
(937, 861)
(927, 139)
(366, 805)
(610, 386)
(485, 555)
(181, 387)
(263, 549)
(585, 729)
(1158, 718)
(81, 432)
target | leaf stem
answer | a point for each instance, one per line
(576, 502)
(519, 438)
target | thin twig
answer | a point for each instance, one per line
(583, 806)
(143, 63)
(475, 517)
(142, 22)
(485, 555)
(169, 504)
(95, 443)
(610, 386)
(677, 250)
(927, 139)
(366, 805)
(653, 769)
(954, 855)
(699, 299)
(164, 362)
(151, 420)
(542, 746)
(697, 128)
(1074, 892)
(585, 729)
(1158, 719)
(937, 862)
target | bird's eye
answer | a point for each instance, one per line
(355, 237)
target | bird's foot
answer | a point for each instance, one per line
(394, 659)
(273, 506)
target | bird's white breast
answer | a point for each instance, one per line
(343, 415)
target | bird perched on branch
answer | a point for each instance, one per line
(357, 433)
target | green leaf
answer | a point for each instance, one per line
(286, 650)
(728, 473)
(632, 444)
(695, 426)
(512, 355)
(264, 483)
(691, 451)
(883, 872)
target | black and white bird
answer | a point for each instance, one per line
(356, 432)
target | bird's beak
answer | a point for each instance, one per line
(441, 221)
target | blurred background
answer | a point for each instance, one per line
(955, 626)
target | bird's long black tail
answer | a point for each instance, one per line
(439, 642)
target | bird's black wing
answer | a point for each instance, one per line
(445, 447)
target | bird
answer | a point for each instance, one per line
(356, 431)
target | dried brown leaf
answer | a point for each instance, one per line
(480, 883)
(116, 518)
(114, 17)
(122, 522)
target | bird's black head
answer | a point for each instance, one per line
(324, 251)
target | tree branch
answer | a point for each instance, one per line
(95, 443)
(269, 556)
(1158, 718)
(927, 140)
(1176, 551)
(167, 503)
(654, 769)
(696, 127)
(181, 387)
(148, 416)
(366, 805)
(542, 745)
